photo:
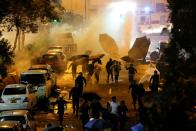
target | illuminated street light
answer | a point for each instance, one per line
(118, 21)
(147, 9)
(123, 6)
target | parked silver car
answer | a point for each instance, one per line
(18, 96)
(23, 116)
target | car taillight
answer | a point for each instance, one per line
(1, 100)
(26, 99)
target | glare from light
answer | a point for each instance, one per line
(123, 6)
(117, 15)
(147, 9)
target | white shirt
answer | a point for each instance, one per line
(114, 106)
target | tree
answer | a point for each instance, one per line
(6, 56)
(3, 8)
(25, 15)
(177, 100)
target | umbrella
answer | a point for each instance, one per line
(139, 49)
(90, 96)
(137, 127)
(97, 56)
(108, 44)
(126, 59)
(98, 124)
(78, 57)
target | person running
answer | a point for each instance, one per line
(80, 82)
(134, 88)
(114, 113)
(122, 117)
(90, 71)
(131, 72)
(109, 70)
(97, 71)
(61, 103)
(154, 82)
(84, 113)
(75, 94)
(116, 67)
(73, 67)
(96, 109)
(141, 93)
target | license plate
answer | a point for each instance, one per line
(13, 101)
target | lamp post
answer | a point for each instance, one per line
(148, 11)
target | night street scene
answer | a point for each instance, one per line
(97, 65)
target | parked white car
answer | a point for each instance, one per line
(48, 68)
(23, 116)
(18, 96)
(39, 80)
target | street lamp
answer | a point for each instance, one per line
(148, 11)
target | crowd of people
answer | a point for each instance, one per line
(113, 68)
(114, 112)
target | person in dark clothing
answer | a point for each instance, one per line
(122, 110)
(109, 70)
(143, 114)
(61, 103)
(90, 69)
(85, 66)
(106, 112)
(116, 67)
(131, 72)
(80, 82)
(97, 71)
(75, 94)
(84, 113)
(96, 109)
(73, 66)
(154, 82)
(141, 93)
(134, 88)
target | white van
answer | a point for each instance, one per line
(39, 79)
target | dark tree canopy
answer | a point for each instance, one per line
(24, 16)
(175, 104)
(6, 56)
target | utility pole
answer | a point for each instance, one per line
(86, 7)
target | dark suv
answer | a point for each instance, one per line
(55, 60)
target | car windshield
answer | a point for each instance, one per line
(21, 119)
(15, 91)
(49, 58)
(33, 79)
